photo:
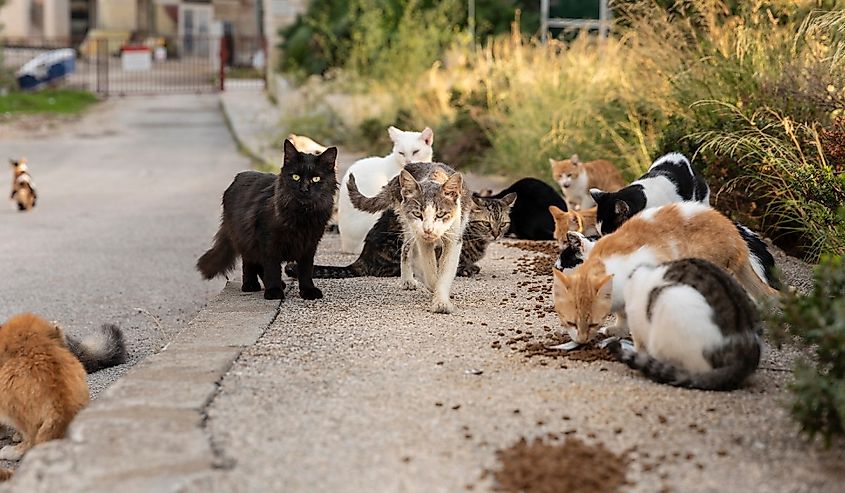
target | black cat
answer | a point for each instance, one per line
(530, 218)
(269, 219)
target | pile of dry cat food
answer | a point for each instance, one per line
(540, 265)
(572, 466)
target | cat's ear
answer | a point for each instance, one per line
(622, 209)
(328, 157)
(427, 136)
(575, 160)
(596, 194)
(291, 153)
(604, 286)
(394, 133)
(408, 184)
(562, 279)
(452, 187)
(557, 214)
(509, 199)
(552, 162)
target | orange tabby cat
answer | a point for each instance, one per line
(42, 384)
(576, 178)
(594, 289)
(583, 222)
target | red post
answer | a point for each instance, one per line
(224, 54)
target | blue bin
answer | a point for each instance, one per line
(47, 67)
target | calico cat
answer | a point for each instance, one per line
(42, 385)
(434, 205)
(594, 289)
(574, 247)
(576, 178)
(671, 178)
(583, 221)
(692, 324)
(306, 144)
(269, 219)
(530, 219)
(381, 257)
(23, 189)
(372, 174)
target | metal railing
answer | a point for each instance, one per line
(602, 24)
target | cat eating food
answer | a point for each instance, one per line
(530, 219)
(671, 178)
(692, 324)
(23, 189)
(583, 221)
(372, 174)
(586, 295)
(42, 385)
(433, 204)
(268, 219)
(381, 254)
(576, 178)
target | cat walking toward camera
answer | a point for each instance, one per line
(371, 175)
(270, 219)
(692, 324)
(433, 205)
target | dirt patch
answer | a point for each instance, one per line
(572, 466)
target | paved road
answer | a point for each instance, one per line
(128, 198)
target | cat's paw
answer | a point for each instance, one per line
(310, 293)
(442, 306)
(274, 294)
(410, 284)
(11, 452)
(469, 271)
(250, 287)
(614, 331)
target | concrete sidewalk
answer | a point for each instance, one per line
(365, 390)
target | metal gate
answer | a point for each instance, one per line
(189, 63)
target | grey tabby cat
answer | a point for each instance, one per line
(433, 204)
(693, 325)
(381, 254)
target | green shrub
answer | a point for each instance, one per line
(817, 320)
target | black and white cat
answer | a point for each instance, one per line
(671, 178)
(693, 325)
(530, 218)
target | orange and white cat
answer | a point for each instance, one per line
(583, 221)
(42, 384)
(590, 292)
(576, 178)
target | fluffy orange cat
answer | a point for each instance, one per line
(583, 222)
(576, 178)
(42, 384)
(594, 289)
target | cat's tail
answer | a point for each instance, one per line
(355, 269)
(220, 258)
(104, 349)
(732, 363)
(385, 199)
(761, 259)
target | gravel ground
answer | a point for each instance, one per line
(129, 197)
(366, 390)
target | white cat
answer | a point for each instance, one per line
(693, 325)
(371, 174)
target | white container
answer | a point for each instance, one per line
(136, 60)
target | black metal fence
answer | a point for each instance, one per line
(187, 64)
